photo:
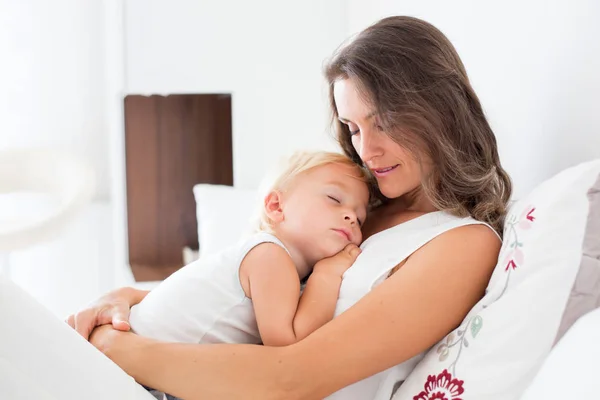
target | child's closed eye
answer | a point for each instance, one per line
(334, 199)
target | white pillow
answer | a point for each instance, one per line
(571, 369)
(224, 214)
(549, 262)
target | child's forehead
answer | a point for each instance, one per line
(336, 172)
(346, 179)
(346, 182)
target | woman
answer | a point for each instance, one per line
(403, 108)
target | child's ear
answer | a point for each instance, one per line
(273, 206)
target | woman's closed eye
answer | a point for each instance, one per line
(353, 129)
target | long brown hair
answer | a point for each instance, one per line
(413, 77)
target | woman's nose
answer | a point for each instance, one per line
(369, 146)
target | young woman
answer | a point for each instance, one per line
(405, 110)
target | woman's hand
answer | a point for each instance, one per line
(119, 346)
(112, 308)
(104, 338)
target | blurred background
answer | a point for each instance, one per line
(159, 95)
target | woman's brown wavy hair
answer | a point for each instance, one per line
(413, 77)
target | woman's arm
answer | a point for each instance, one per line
(228, 371)
(407, 314)
(112, 308)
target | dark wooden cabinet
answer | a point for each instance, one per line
(171, 143)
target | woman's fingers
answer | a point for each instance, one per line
(120, 319)
(85, 321)
(100, 338)
(70, 320)
(110, 309)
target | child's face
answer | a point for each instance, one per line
(324, 210)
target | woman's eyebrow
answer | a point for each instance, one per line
(366, 118)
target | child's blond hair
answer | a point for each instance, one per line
(298, 163)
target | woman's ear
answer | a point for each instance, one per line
(273, 206)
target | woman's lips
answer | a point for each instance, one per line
(384, 171)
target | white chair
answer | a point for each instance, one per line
(66, 181)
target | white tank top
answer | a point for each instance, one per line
(380, 254)
(203, 302)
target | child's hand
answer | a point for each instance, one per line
(339, 263)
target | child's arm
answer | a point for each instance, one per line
(274, 287)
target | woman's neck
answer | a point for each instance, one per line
(414, 201)
(396, 211)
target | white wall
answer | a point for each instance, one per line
(534, 65)
(67, 272)
(51, 77)
(267, 53)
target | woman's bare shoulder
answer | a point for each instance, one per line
(476, 245)
(478, 234)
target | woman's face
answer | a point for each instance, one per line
(395, 168)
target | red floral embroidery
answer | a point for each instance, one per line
(526, 219)
(514, 258)
(441, 387)
(529, 216)
(511, 264)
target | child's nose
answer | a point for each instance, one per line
(350, 217)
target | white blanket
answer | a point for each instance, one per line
(42, 358)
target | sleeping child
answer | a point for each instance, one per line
(251, 292)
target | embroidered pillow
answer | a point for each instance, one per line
(540, 286)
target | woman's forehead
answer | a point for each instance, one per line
(351, 105)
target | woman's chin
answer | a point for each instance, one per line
(391, 192)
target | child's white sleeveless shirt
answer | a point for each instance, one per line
(203, 302)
